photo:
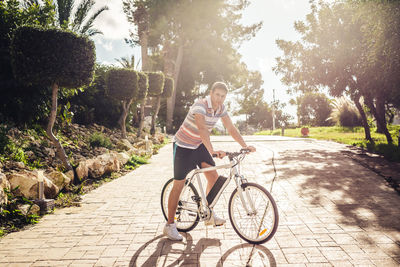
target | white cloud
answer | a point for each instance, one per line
(107, 45)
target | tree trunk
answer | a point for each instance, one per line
(363, 118)
(141, 122)
(143, 47)
(171, 100)
(381, 112)
(154, 117)
(380, 122)
(122, 119)
(60, 150)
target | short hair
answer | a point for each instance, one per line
(219, 85)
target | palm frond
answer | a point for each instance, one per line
(81, 13)
(89, 23)
(64, 8)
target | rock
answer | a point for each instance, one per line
(133, 151)
(4, 183)
(29, 185)
(14, 165)
(26, 209)
(124, 145)
(122, 157)
(50, 152)
(70, 175)
(82, 170)
(103, 164)
(58, 178)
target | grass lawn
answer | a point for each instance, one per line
(351, 136)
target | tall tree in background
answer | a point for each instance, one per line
(197, 39)
(137, 13)
(78, 22)
(337, 51)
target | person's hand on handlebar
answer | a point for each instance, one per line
(251, 148)
(219, 153)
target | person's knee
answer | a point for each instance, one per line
(178, 185)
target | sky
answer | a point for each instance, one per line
(259, 53)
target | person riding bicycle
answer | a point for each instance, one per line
(192, 147)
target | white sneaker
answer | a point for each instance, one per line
(215, 220)
(171, 232)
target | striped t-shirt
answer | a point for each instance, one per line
(188, 134)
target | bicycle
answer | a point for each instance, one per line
(252, 210)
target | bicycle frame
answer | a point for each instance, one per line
(234, 173)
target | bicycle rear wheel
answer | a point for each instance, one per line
(259, 224)
(186, 216)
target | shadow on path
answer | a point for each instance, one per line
(331, 180)
(161, 251)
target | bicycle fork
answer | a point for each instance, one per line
(244, 195)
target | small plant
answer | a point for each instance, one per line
(135, 161)
(11, 218)
(97, 139)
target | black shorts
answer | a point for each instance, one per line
(186, 159)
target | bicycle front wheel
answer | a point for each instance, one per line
(186, 216)
(254, 216)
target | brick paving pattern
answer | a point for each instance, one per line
(333, 212)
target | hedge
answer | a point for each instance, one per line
(48, 56)
(168, 87)
(122, 83)
(143, 86)
(156, 83)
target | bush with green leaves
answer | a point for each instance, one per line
(168, 87)
(47, 56)
(11, 218)
(122, 84)
(156, 83)
(52, 57)
(94, 105)
(135, 161)
(19, 103)
(345, 113)
(98, 139)
(143, 86)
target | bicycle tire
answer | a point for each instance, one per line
(191, 219)
(240, 219)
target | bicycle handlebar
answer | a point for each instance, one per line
(235, 154)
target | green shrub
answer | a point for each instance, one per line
(135, 161)
(168, 87)
(93, 105)
(143, 86)
(11, 218)
(122, 83)
(48, 56)
(345, 113)
(98, 139)
(156, 83)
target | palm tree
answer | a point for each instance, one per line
(127, 63)
(78, 22)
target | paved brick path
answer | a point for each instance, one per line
(333, 212)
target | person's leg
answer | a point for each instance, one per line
(211, 176)
(183, 164)
(173, 199)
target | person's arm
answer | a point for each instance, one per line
(205, 135)
(233, 131)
